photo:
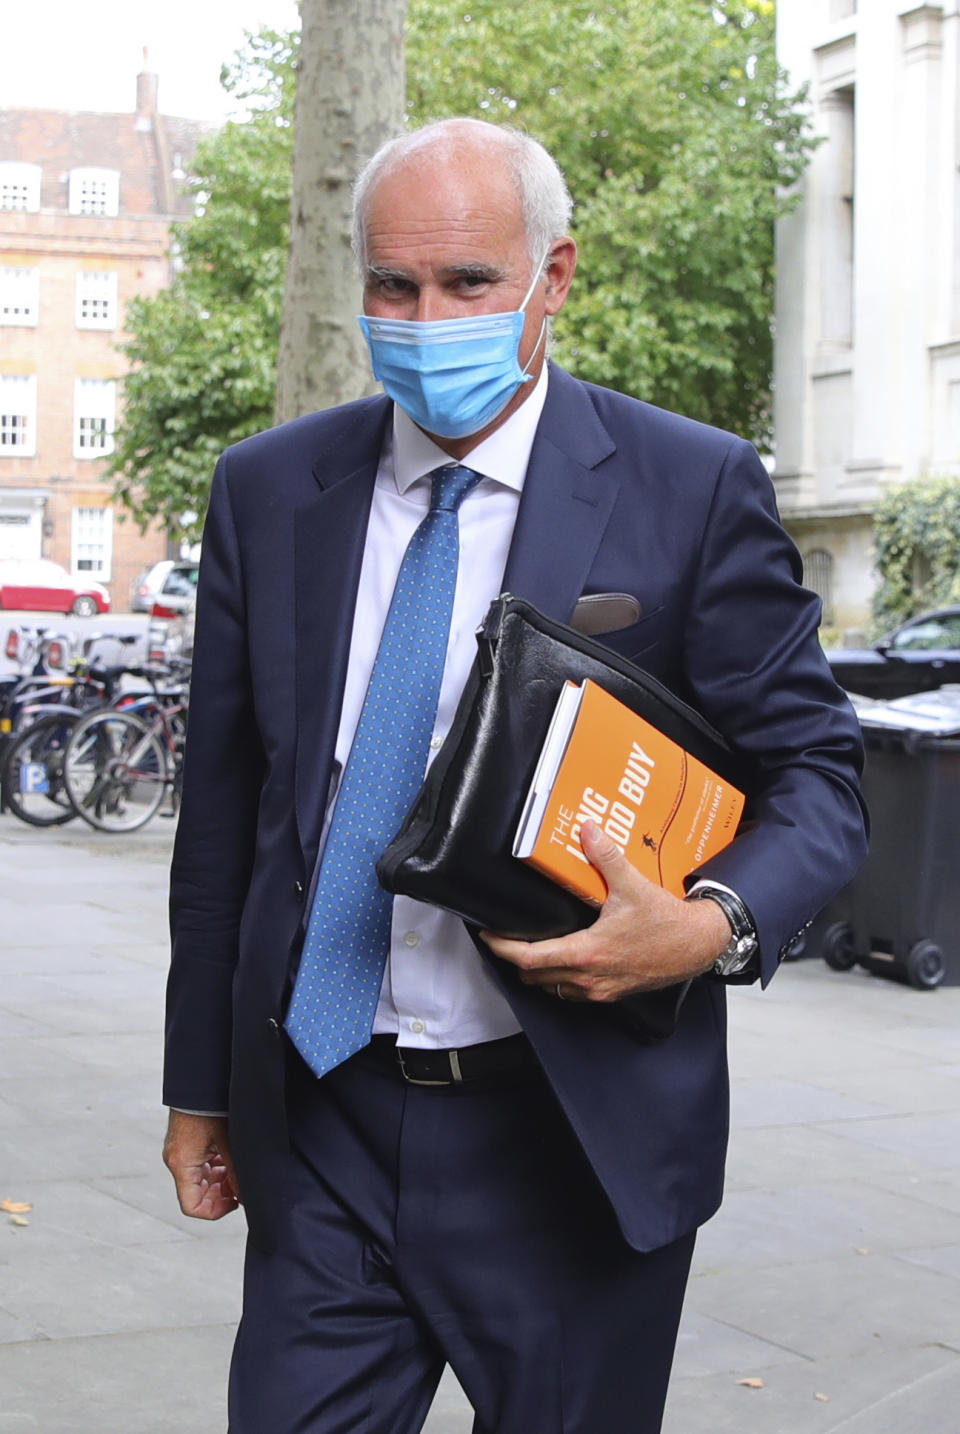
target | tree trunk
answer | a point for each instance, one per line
(350, 95)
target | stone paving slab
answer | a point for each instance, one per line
(816, 1222)
(913, 1391)
(36, 1099)
(53, 994)
(92, 1095)
(27, 1058)
(908, 1086)
(708, 1346)
(117, 1314)
(61, 957)
(847, 1305)
(113, 1053)
(936, 1188)
(782, 1102)
(945, 1259)
(69, 1215)
(822, 1056)
(756, 1160)
(151, 1193)
(151, 1382)
(926, 1140)
(69, 1150)
(98, 1289)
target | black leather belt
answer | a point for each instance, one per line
(449, 1067)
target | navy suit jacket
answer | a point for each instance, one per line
(619, 497)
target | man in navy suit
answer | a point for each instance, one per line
(509, 1173)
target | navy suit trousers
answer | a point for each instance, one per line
(461, 1224)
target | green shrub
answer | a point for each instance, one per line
(917, 535)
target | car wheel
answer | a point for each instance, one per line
(84, 606)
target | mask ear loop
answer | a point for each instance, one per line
(543, 327)
(526, 368)
(536, 278)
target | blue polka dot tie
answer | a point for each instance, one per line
(348, 936)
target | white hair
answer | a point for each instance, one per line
(544, 196)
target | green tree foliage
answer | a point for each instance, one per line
(917, 537)
(674, 128)
(203, 352)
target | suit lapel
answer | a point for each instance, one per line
(566, 504)
(329, 538)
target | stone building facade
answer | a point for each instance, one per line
(86, 202)
(867, 366)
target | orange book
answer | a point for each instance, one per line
(667, 812)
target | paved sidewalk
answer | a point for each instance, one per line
(832, 1274)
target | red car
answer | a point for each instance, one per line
(42, 586)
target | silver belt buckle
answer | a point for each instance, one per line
(453, 1058)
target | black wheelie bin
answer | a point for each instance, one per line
(900, 916)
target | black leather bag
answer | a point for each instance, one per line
(455, 847)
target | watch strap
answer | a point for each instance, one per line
(740, 950)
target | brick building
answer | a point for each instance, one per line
(86, 202)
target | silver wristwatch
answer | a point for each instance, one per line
(742, 946)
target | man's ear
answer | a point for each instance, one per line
(558, 272)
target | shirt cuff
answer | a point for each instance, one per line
(706, 884)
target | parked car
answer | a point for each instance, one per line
(148, 584)
(178, 637)
(177, 594)
(917, 656)
(178, 588)
(38, 585)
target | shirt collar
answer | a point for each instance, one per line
(503, 456)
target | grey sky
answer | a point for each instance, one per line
(85, 54)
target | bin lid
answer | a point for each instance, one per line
(935, 713)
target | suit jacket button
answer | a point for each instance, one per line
(273, 1028)
(298, 888)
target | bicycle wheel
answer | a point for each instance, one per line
(33, 786)
(115, 771)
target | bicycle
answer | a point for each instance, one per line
(118, 766)
(37, 717)
(32, 782)
(40, 657)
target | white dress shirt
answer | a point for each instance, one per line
(436, 991)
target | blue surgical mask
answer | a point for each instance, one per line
(452, 376)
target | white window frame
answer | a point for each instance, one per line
(91, 542)
(96, 299)
(19, 295)
(18, 415)
(94, 191)
(94, 417)
(20, 186)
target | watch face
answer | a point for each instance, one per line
(739, 950)
(736, 956)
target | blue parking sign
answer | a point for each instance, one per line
(33, 778)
